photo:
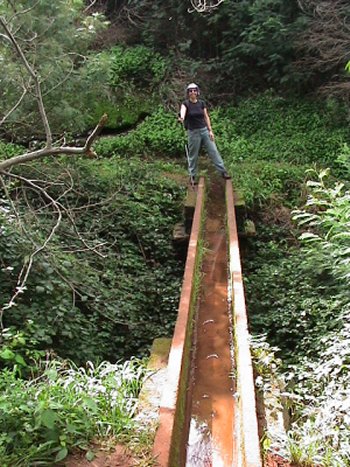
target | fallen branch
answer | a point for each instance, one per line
(49, 149)
(57, 151)
(26, 268)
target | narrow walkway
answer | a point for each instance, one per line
(211, 440)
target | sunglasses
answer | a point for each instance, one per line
(193, 90)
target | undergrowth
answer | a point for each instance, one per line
(298, 297)
(66, 407)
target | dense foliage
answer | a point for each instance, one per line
(78, 84)
(87, 267)
(65, 408)
(293, 45)
(54, 37)
(81, 298)
(298, 297)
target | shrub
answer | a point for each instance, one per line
(43, 419)
(158, 135)
(263, 182)
(137, 66)
(299, 297)
(272, 128)
(81, 299)
(8, 150)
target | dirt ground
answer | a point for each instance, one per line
(274, 460)
(119, 457)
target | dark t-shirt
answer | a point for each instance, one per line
(195, 114)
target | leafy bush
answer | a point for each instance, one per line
(293, 304)
(43, 419)
(8, 150)
(321, 422)
(271, 128)
(159, 135)
(124, 104)
(112, 294)
(59, 32)
(299, 298)
(262, 183)
(327, 217)
(342, 163)
(137, 66)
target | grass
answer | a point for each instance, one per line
(65, 408)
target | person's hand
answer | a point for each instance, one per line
(211, 135)
(180, 120)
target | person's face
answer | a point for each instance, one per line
(192, 92)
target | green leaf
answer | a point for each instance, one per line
(7, 354)
(90, 456)
(62, 454)
(309, 236)
(51, 374)
(91, 404)
(48, 418)
(19, 359)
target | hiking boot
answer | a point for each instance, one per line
(226, 176)
(193, 181)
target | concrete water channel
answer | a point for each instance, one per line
(207, 415)
(211, 403)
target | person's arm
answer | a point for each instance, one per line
(183, 111)
(208, 122)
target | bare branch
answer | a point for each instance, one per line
(13, 108)
(26, 268)
(21, 12)
(204, 6)
(94, 134)
(4, 36)
(16, 213)
(67, 76)
(35, 78)
(87, 247)
(56, 151)
(325, 43)
(90, 6)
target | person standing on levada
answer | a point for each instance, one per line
(195, 118)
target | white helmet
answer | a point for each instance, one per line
(193, 86)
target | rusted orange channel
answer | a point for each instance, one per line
(211, 402)
(247, 434)
(201, 423)
(167, 445)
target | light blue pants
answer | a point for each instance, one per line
(196, 139)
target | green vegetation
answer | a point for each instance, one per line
(158, 135)
(88, 272)
(137, 67)
(296, 294)
(298, 297)
(268, 127)
(122, 82)
(66, 407)
(80, 298)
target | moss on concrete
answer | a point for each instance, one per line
(159, 353)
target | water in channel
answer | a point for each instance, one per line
(211, 412)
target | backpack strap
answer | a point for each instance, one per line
(187, 104)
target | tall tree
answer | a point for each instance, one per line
(42, 43)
